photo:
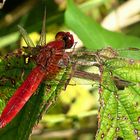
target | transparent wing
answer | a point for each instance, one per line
(42, 40)
(25, 36)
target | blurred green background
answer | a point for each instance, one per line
(74, 116)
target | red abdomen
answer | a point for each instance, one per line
(22, 95)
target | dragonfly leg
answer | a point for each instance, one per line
(70, 76)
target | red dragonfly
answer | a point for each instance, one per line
(50, 60)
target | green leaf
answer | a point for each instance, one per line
(94, 36)
(119, 115)
(13, 70)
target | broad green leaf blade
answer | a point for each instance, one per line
(17, 69)
(93, 35)
(119, 115)
(13, 70)
(126, 69)
(130, 53)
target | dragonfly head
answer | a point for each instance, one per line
(66, 37)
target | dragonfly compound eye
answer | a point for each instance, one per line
(66, 37)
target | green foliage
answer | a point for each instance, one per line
(119, 106)
(119, 115)
(13, 71)
(94, 36)
(12, 68)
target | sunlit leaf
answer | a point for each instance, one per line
(119, 105)
(94, 36)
